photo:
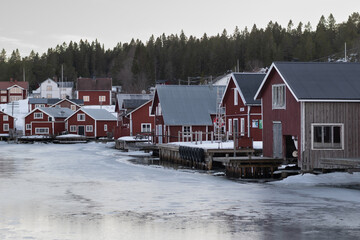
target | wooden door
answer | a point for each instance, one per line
(277, 140)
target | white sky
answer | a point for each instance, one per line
(41, 24)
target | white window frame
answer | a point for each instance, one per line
(86, 98)
(327, 146)
(38, 115)
(15, 90)
(236, 125)
(72, 128)
(39, 105)
(105, 127)
(279, 96)
(5, 118)
(48, 88)
(89, 128)
(236, 97)
(145, 127)
(49, 95)
(28, 126)
(230, 126)
(41, 130)
(81, 117)
(3, 98)
(3, 92)
(242, 126)
(102, 98)
(73, 107)
(5, 127)
(186, 130)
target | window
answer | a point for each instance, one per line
(49, 88)
(28, 126)
(150, 112)
(278, 96)
(327, 136)
(72, 128)
(236, 126)
(3, 98)
(3, 92)
(255, 123)
(73, 107)
(81, 117)
(158, 110)
(105, 127)
(236, 100)
(89, 128)
(15, 90)
(242, 126)
(41, 130)
(50, 119)
(49, 95)
(186, 130)
(5, 118)
(86, 98)
(230, 126)
(146, 127)
(102, 98)
(39, 105)
(38, 115)
(15, 98)
(5, 127)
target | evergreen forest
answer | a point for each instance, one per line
(136, 65)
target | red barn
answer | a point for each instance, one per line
(92, 123)
(243, 113)
(185, 109)
(6, 123)
(13, 91)
(46, 121)
(311, 111)
(94, 91)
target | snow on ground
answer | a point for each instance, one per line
(215, 144)
(133, 139)
(337, 178)
(18, 110)
(70, 136)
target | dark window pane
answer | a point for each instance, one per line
(317, 134)
(337, 137)
(327, 134)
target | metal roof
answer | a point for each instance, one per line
(133, 103)
(99, 114)
(321, 81)
(188, 105)
(66, 84)
(57, 112)
(44, 100)
(249, 83)
(123, 96)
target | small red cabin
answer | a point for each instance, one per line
(13, 91)
(6, 123)
(93, 123)
(46, 121)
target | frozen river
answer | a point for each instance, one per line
(91, 191)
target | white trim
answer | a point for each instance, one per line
(7, 127)
(74, 127)
(327, 100)
(80, 114)
(302, 129)
(26, 126)
(38, 128)
(276, 86)
(15, 85)
(91, 128)
(143, 124)
(141, 107)
(42, 115)
(62, 100)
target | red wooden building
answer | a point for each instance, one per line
(93, 123)
(140, 121)
(6, 123)
(311, 111)
(243, 113)
(46, 121)
(13, 91)
(94, 91)
(182, 110)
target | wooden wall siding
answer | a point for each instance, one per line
(289, 117)
(346, 113)
(94, 97)
(140, 116)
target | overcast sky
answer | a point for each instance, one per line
(41, 24)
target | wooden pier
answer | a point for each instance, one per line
(242, 164)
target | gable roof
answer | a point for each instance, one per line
(309, 81)
(77, 102)
(88, 84)
(9, 84)
(188, 105)
(5, 113)
(133, 103)
(247, 85)
(98, 114)
(121, 97)
(57, 112)
(148, 101)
